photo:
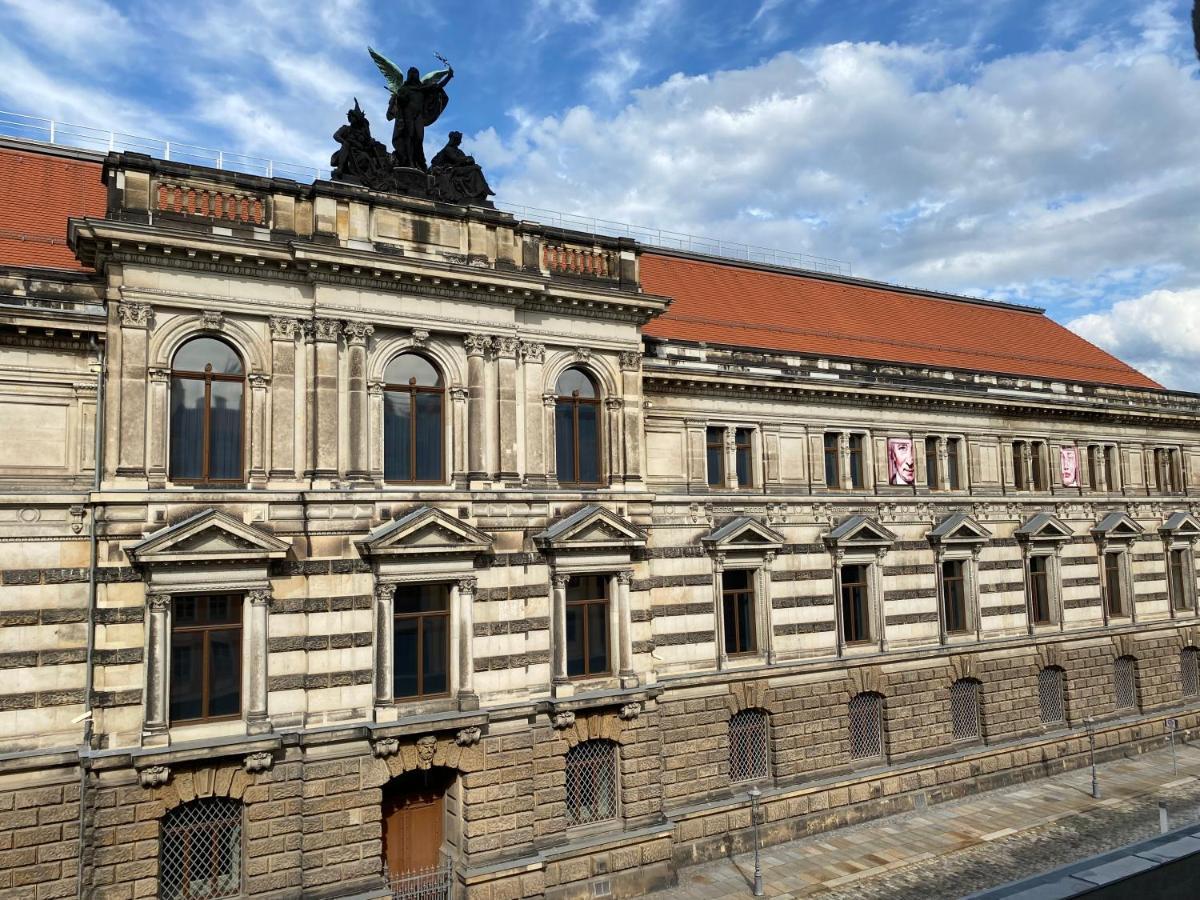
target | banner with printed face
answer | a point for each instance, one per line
(1069, 458)
(901, 465)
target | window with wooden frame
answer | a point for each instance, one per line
(1114, 583)
(206, 658)
(954, 464)
(954, 596)
(420, 641)
(1020, 482)
(1037, 454)
(857, 472)
(932, 475)
(200, 850)
(856, 605)
(743, 439)
(587, 626)
(1040, 597)
(1179, 579)
(833, 460)
(1111, 468)
(208, 391)
(1095, 456)
(738, 611)
(714, 446)
(577, 429)
(414, 401)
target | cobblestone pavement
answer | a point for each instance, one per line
(956, 848)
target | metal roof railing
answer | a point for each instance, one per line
(87, 137)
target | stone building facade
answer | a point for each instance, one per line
(351, 543)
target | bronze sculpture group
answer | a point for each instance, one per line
(416, 103)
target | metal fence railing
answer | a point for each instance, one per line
(433, 883)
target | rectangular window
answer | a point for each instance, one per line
(954, 463)
(1093, 463)
(206, 658)
(856, 460)
(1111, 468)
(1160, 466)
(1113, 587)
(931, 464)
(1175, 471)
(737, 599)
(1177, 570)
(742, 440)
(587, 626)
(833, 462)
(714, 444)
(954, 596)
(856, 612)
(1018, 466)
(1039, 589)
(421, 641)
(1038, 457)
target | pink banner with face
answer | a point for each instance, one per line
(1069, 458)
(901, 465)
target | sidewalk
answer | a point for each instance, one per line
(966, 845)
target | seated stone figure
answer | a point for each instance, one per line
(457, 177)
(360, 159)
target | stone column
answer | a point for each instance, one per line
(1027, 464)
(356, 364)
(325, 409)
(257, 721)
(549, 402)
(731, 479)
(631, 384)
(384, 594)
(625, 630)
(506, 390)
(136, 319)
(476, 345)
(464, 601)
(943, 465)
(837, 555)
(877, 598)
(259, 426)
(616, 444)
(718, 561)
(558, 634)
(283, 396)
(767, 616)
(458, 401)
(375, 431)
(844, 460)
(156, 460)
(158, 638)
(532, 356)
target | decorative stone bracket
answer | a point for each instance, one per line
(964, 665)
(262, 761)
(468, 737)
(630, 711)
(154, 776)
(866, 680)
(747, 695)
(563, 719)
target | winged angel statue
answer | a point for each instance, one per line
(416, 103)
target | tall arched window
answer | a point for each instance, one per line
(200, 850)
(577, 428)
(208, 390)
(413, 403)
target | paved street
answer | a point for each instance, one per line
(953, 849)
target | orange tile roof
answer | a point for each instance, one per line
(38, 193)
(737, 305)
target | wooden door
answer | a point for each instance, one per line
(412, 826)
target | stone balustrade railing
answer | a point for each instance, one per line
(210, 202)
(583, 262)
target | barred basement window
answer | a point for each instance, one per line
(748, 746)
(1125, 683)
(866, 726)
(200, 850)
(964, 710)
(1189, 671)
(1052, 705)
(591, 782)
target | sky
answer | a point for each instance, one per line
(1037, 152)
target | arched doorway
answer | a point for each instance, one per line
(416, 809)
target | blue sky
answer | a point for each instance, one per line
(1043, 152)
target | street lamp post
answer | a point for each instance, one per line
(755, 793)
(1091, 732)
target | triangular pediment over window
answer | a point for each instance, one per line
(743, 533)
(592, 527)
(1182, 525)
(959, 529)
(1117, 526)
(208, 536)
(860, 531)
(1044, 526)
(425, 531)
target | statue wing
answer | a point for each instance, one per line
(434, 76)
(391, 72)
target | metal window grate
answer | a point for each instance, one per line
(748, 746)
(866, 726)
(964, 710)
(1052, 696)
(200, 850)
(1125, 682)
(1189, 671)
(591, 782)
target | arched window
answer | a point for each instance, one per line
(1125, 683)
(208, 388)
(1052, 696)
(1189, 672)
(200, 850)
(413, 404)
(749, 746)
(591, 782)
(964, 710)
(577, 429)
(866, 726)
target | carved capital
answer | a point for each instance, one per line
(135, 315)
(259, 598)
(385, 592)
(476, 344)
(532, 352)
(259, 380)
(420, 337)
(613, 402)
(630, 711)
(564, 719)
(468, 737)
(154, 776)
(213, 320)
(719, 562)
(357, 332)
(631, 360)
(385, 747)
(158, 374)
(158, 602)
(459, 394)
(625, 577)
(284, 328)
(549, 400)
(324, 329)
(560, 580)
(375, 388)
(506, 347)
(467, 585)
(426, 749)
(258, 762)
(769, 557)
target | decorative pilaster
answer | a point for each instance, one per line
(325, 385)
(375, 430)
(476, 346)
(283, 396)
(154, 723)
(534, 468)
(156, 464)
(458, 404)
(631, 388)
(464, 602)
(257, 721)
(766, 607)
(384, 595)
(616, 445)
(136, 320)
(356, 365)
(549, 401)
(718, 563)
(506, 389)
(624, 630)
(558, 637)
(259, 428)
(731, 479)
